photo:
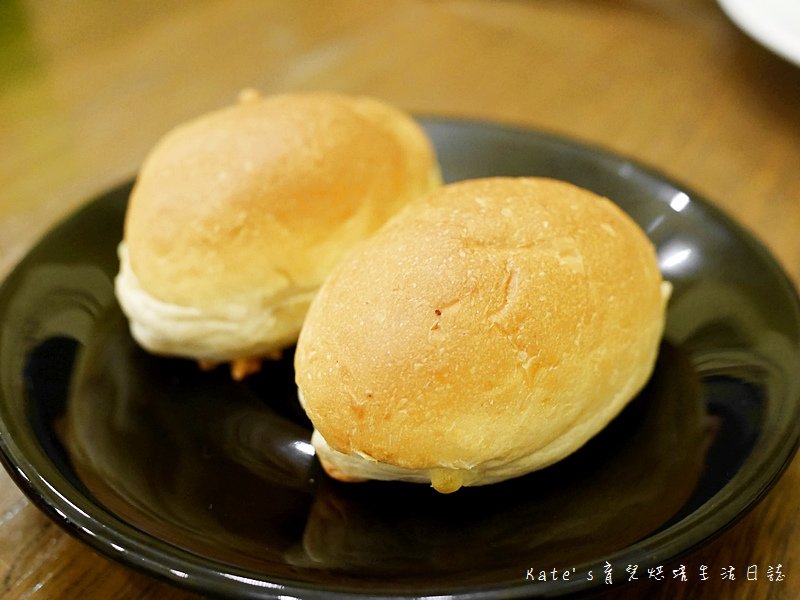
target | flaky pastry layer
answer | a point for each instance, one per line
(226, 332)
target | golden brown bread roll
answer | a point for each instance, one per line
(488, 330)
(237, 217)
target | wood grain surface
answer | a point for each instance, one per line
(86, 88)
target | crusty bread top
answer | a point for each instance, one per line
(254, 203)
(494, 322)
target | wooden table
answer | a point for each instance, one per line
(87, 87)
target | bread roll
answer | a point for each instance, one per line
(237, 217)
(488, 330)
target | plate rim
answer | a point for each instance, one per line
(752, 19)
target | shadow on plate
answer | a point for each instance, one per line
(224, 470)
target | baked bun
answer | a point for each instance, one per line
(237, 217)
(488, 330)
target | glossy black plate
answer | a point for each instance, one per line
(212, 484)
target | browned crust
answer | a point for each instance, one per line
(266, 195)
(493, 320)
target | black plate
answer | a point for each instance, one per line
(212, 485)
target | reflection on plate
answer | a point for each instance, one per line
(212, 484)
(773, 23)
(221, 449)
